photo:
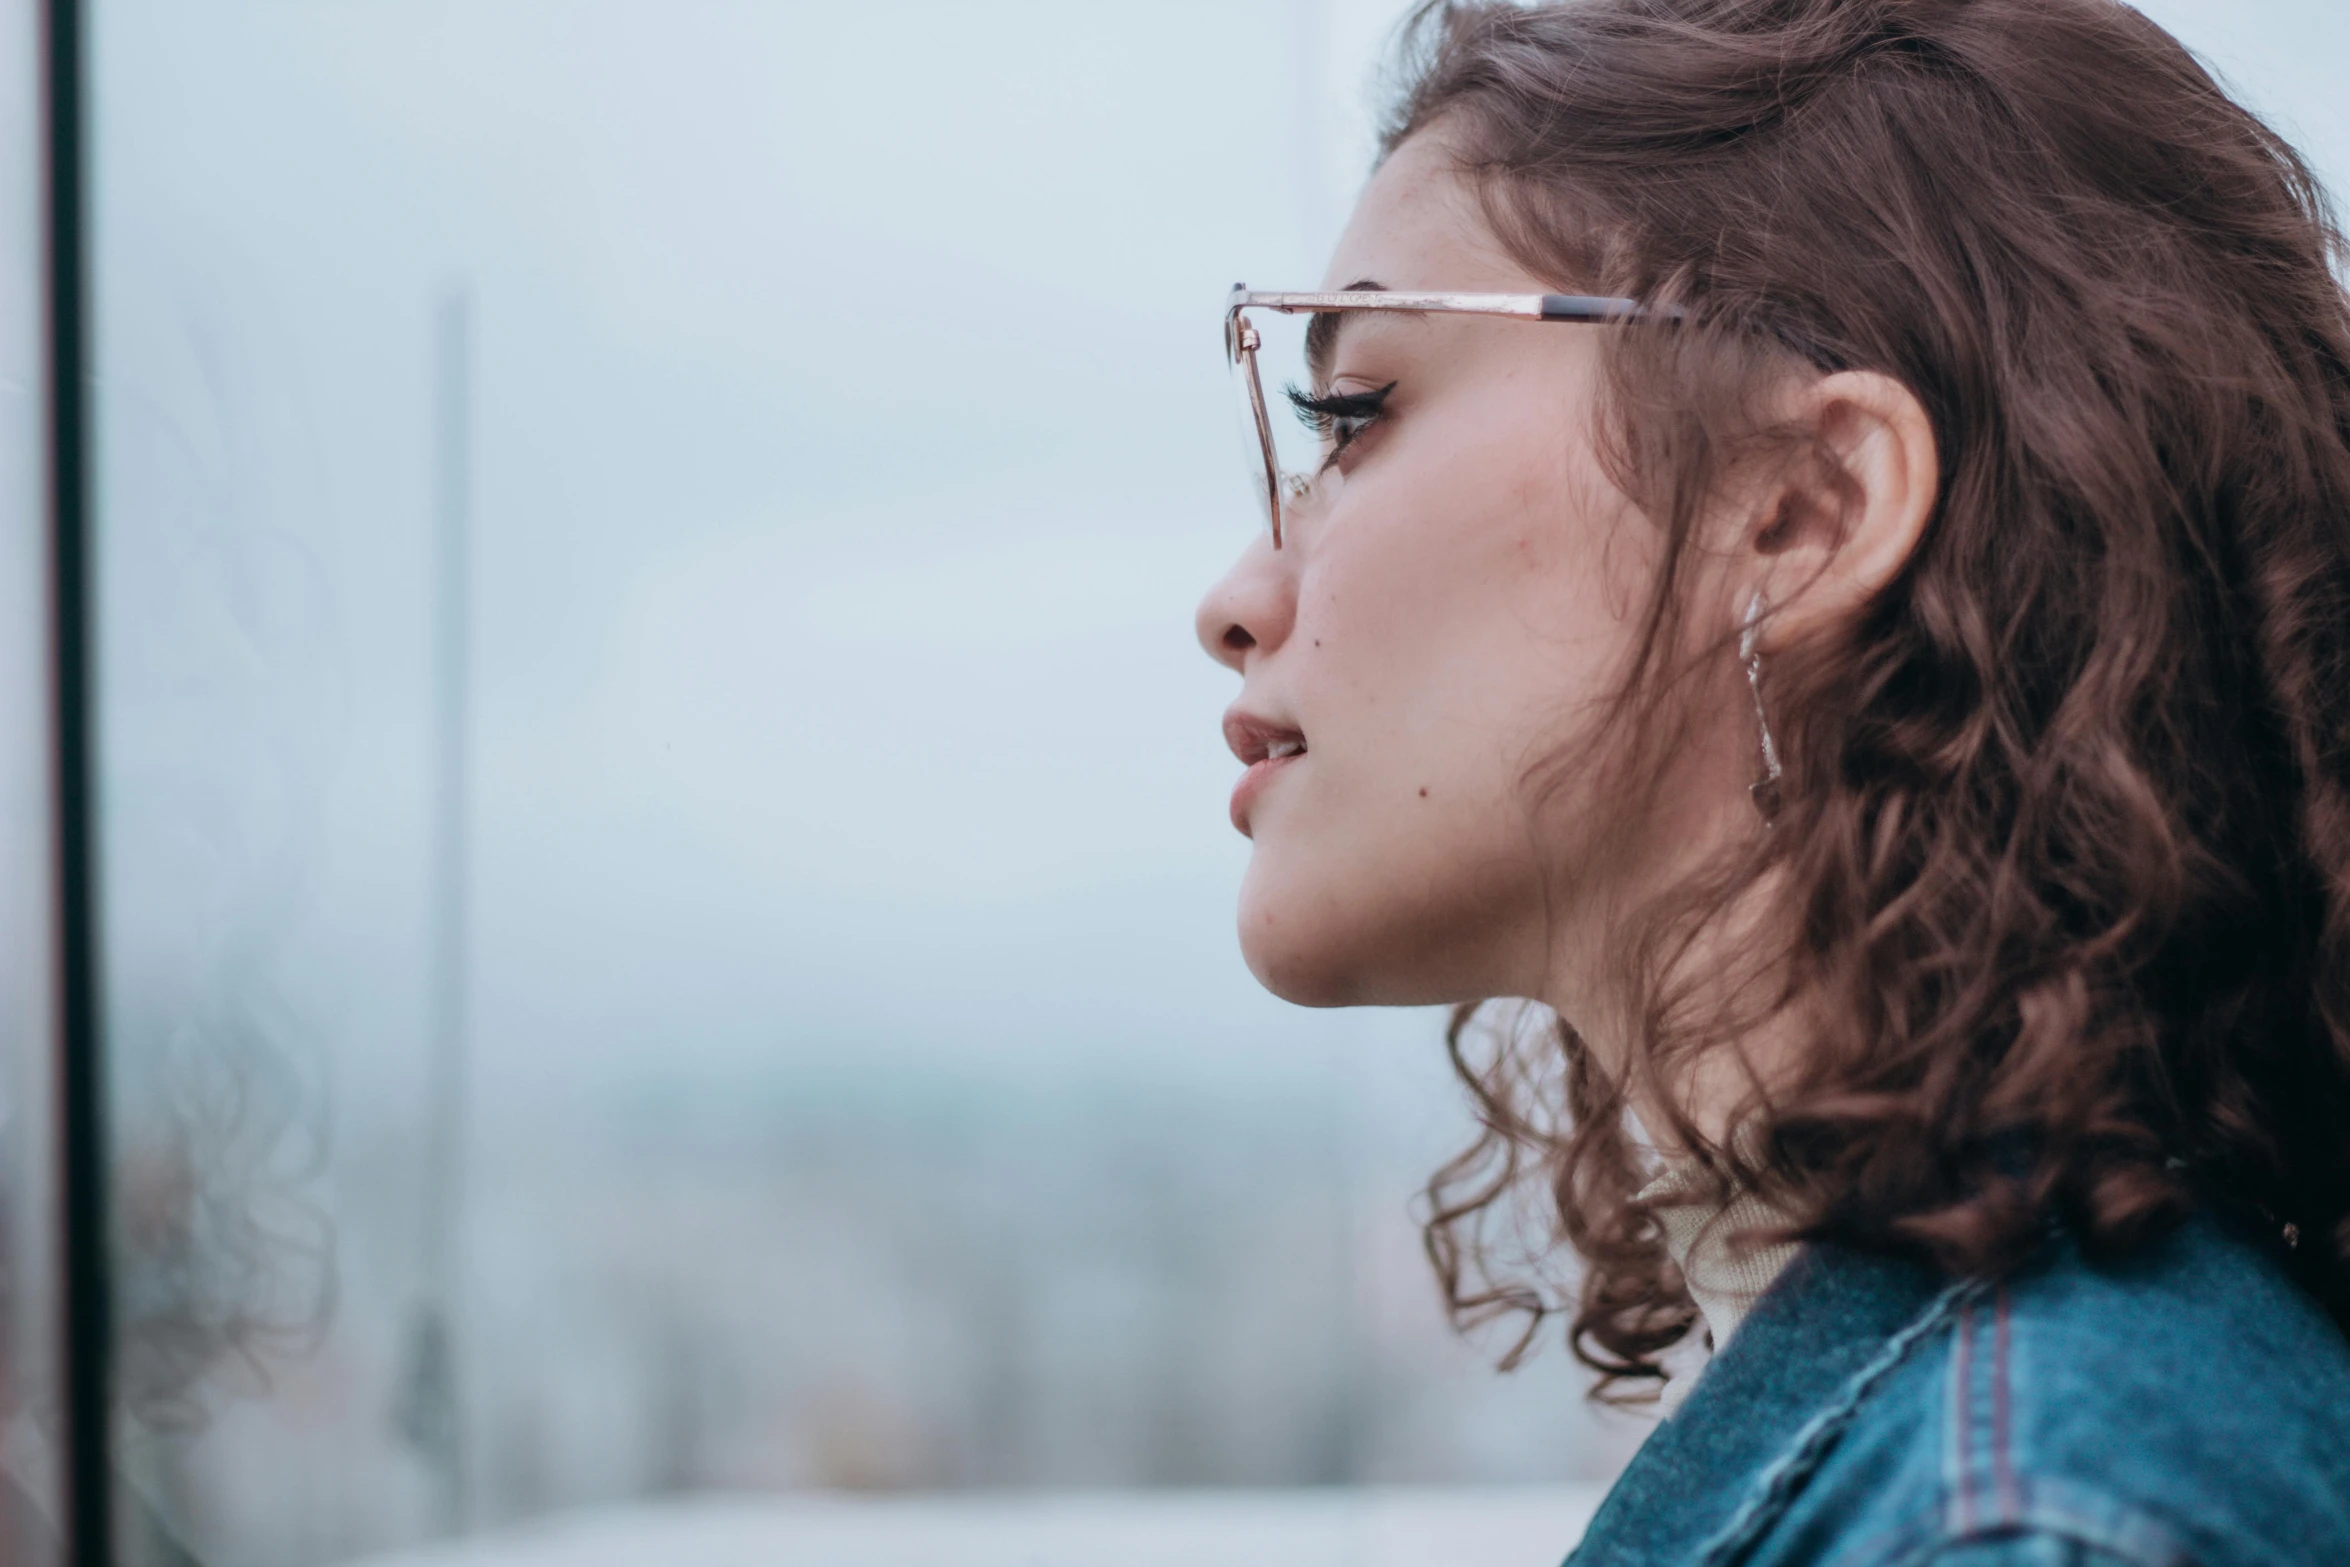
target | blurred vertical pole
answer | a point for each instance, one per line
(434, 1416)
(452, 495)
(81, 1084)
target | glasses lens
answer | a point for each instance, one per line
(1297, 435)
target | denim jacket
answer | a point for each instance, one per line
(2189, 1407)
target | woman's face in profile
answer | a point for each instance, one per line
(1439, 632)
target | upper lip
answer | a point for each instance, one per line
(1252, 738)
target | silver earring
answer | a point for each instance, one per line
(1765, 790)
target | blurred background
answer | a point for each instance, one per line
(668, 892)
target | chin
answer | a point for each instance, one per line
(1299, 975)
(1346, 939)
(1290, 944)
(1310, 953)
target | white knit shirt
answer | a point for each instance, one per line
(1725, 1280)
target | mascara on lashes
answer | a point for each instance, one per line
(1337, 416)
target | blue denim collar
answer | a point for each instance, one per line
(1767, 1408)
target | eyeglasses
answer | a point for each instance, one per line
(1289, 459)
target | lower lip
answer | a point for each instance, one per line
(1252, 783)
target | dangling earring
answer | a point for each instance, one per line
(1764, 791)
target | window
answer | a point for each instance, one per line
(664, 900)
(32, 1493)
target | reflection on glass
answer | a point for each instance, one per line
(668, 893)
(30, 1493)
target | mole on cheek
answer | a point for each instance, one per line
(1423, 794)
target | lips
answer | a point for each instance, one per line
(1267, 747)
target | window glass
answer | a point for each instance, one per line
(669, 891)
(669, 904)
(30, 1482)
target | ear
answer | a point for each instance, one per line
(1839, 523)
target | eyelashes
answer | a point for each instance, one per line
(1338, 417)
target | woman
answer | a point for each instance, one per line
(1868, 650)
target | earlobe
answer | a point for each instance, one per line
(1845, 522)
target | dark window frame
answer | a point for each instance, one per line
(86, 1317)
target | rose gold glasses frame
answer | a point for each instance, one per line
(1242, 343)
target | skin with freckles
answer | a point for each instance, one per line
(1431, 633)
(1457, 616)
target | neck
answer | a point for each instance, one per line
(1728, 1046)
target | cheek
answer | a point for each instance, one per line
(1477, 607)
(1448, 642)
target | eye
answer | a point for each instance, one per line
(1338, 417)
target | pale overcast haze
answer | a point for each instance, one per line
(851, 445)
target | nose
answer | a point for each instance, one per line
(1251, 609)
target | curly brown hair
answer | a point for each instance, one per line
(2062, 873)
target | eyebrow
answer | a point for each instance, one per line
(1322, 332)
